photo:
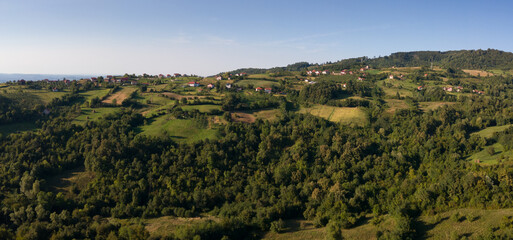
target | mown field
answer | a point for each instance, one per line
(257, 83)
(344, 115)
(92, 114)
(181, 130)
(489, 131)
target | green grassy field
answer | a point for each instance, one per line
(489, 131)
(396, 104)
(344, 115)
(44, 96)
(470, 224)
(448, 228)
(181, 130)
(484, 158)
(16, 127)
(100, 93)
(88, 114)
(257, 83)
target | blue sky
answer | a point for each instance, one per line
(207, 37)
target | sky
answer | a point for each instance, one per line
(207, 37)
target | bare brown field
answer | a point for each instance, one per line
(478, 73)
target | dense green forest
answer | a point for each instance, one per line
(406, 158)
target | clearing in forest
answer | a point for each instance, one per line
(180, 130)
(345, 115)
(489, 131)
(425, 106)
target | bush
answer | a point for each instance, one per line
(277, 226)
(455, 217)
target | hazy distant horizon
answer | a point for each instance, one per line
(6, 77)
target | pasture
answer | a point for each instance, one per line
(180, 130)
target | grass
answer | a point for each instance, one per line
(485, 158)
(63, 181)
(426, 106)
(100, 93)
(257, 83)
(396, 104)
(88, 114)
(489, 131)
(181, 130)
(202, 108)
(165, 226)
(344, 115)
(270, 115)
(6, 129)
(484, 220)
(442, 226)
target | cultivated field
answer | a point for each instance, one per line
(478, 73)
(120, 95)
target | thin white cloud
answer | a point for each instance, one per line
(220, 40)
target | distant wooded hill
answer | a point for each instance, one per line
(464, 59)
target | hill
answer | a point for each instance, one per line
(463, 59)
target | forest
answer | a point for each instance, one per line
(253, 176)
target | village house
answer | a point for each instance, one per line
(178, 75)
(391, 77)
(133, 82)
(313, 72)
(360, 79)
(210, 85)
(344, 85)
(367, 67)
(168, 75)
(448, 89)
(228, 85)
(268, 90)
(193, 84)
(258, 89)
(362, 69)
(419, 88)
(325, 72)
(218, 78)
(478, 92)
